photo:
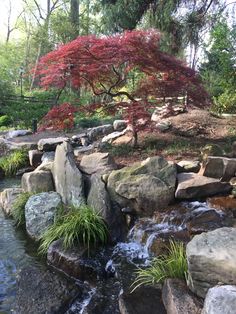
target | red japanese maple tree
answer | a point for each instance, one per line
(108, 64)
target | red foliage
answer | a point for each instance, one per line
(58, 118)
(104, 65)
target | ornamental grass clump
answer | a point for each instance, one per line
(18, 208)
(81, 226)
(171, 265)
(11, 163)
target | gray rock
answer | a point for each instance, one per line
(16, 133)
(144, 187)
(74, 262)
(50, 144)
(193, 186)
(211, 260)
(67, 177)
(144, 300)
(35, 157)
(48, 157)
(99, 200)
(113, 136)
(188, 166)
(219, 167)
(97, 162)
(45, 166)
(220, 300)
(81, 150)
(119, 125)
(163, 126)
(8, 198)
(40, 291)
(178, 299)
(37, 181)
(40, 212)
(96, 132)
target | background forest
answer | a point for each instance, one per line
(201, 32)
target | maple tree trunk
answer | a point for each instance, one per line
(135, 138)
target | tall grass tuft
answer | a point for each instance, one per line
(13, 162)
(18, 208)
(78, 226)
(171, 265)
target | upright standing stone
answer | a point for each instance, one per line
(67, 177)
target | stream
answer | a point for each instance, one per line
(119, 263)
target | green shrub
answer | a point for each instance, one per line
(225, 103)
(171, 265)
(18, 208)
(5, 121)
(78, 226)
(11, 163)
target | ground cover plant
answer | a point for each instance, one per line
(13, 162)
(171, 265)
(18, 208)
(81, 226)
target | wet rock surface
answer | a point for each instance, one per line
(41, 291)
(178, 299)
(142, 301)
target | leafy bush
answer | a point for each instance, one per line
(79, 226)
(225, 103)
(59, 118)
(171, 265)
(18, 208)
(11, 163)
(5, 121)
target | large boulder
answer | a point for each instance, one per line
(97, 162)
(41, 291)
(220, 299)
(40, 212)
(211, 260)
(193, 186)
(219, 167)
(37, 181)
(178, 299)
(144, 187)
(99, 200)
(67, 177)
(8, 198)
(50, 144)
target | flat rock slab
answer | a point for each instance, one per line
(211, 260)
(144, 300)
(178, 299)
(50, 144)
(220, 300)
(40, 291)
(194, 186)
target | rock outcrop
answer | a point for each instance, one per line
(145, 186)
(40, 212)
(67, 177)
(194, 186)
(211, 260)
